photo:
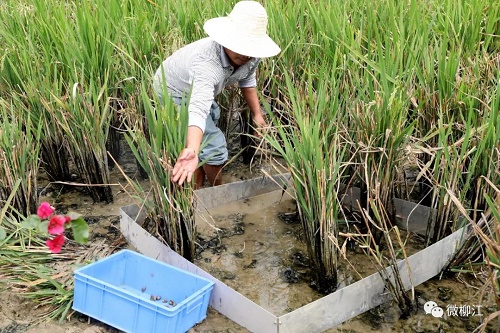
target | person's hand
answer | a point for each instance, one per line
(259, 123)
(186, 164)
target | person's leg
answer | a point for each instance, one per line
(214, 174)
(199, 178)
(214, 148)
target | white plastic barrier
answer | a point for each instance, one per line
(322, 314)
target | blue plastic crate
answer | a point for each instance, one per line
(122, 290)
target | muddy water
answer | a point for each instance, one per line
(250, 248)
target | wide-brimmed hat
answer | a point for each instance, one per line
(243, 31)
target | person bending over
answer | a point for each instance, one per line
(198, 72)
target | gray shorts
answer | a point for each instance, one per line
(213, 146)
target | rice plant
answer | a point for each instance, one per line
(406, 69)
(315, 154)
(382, 136)
(468, 150)
(56, 47)
(381, 132)
(156, 146)
(19, 157)
(85, 119)
(27, 75)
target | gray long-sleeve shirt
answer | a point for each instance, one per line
(203, 69)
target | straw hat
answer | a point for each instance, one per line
(243, 31)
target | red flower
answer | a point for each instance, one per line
(45, 210)
(56, 225)
(55, 244)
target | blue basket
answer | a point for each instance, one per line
(137, 294)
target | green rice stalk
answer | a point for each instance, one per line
(27, 74)
(315, 154)
(19, 151)
(54, 150)
(84, 117)
(156, 140)
(469, 152)
(382, 137)
(382, 127)
(483, 170)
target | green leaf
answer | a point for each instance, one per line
(80, 230)
(3, 234)
(31, 222)
(43, 226)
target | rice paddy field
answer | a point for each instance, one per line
(400, 99)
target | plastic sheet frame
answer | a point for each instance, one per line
(327, 312)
